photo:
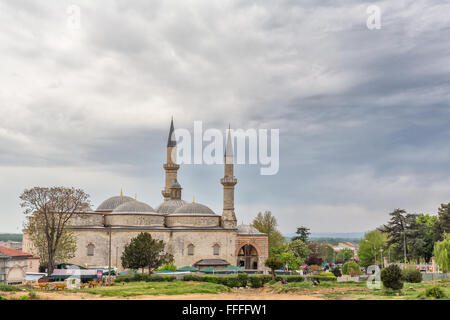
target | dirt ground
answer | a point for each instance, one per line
(252, 294)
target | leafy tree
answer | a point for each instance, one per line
(442, 225)
(303, 234)
(442, 253)
(396, 230)
(290, 260)
(314, 260)
(327, 253)
(351, 268)
(421, 236)
(372, 241)
(274, 263)
(299, 249)
(267, 223)
(144, 251)
(345, 254)
(48, 212)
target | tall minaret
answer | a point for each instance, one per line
(228, 182)
(171, 167)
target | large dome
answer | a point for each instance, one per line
(193, 209)
(170, 206)
(133, 207)
(113, 202)
(247, 229)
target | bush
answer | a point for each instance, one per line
(256, 282)
(266, 278)
(167, 266)
(337, 272)
(243, 279)
(412, 276)
(326, 274)
(6, 287)
(435, 292)
(392, 277)
(295, 279)
(351, 268)
(212, 279)
(320, 278)
(315, 268)
(145, 277)
(192, 277)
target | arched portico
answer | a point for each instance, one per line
(248, 256)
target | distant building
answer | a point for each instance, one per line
(14, 265)
(16, 245)
(346, 245)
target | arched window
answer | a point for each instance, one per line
(191, 249)
(216, 249)
(90, 249)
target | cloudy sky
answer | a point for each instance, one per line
(363, 114)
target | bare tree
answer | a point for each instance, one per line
(48, 211)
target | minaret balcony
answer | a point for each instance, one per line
(171, 166)
(230, 181)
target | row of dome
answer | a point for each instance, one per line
(124, 204)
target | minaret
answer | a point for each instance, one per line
(228, 182)
(171, 167)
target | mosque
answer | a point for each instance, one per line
(193, 233)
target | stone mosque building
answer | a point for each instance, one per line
(193, 233)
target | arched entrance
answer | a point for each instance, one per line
(248, 257)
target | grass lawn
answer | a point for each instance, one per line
(359, 290)
(155, 288)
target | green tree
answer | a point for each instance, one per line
(302, 234)
(274, 263)
(421, 236)
(345, 254)
(144, 251)
(290, 260)
(396, 230)
(351, 268)
(48, 212)
(371, 244)
(267, 223)
(327, 253)
(442, 253)
(299, 249)
(442, 225)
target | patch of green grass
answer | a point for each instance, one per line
(156, 288)
(9, 288)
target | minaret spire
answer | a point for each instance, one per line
(228, 182)
(170, 167)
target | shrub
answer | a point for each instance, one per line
(321, 278)
(351, 266)
(231, 281)
(192, 277)
(295, 279)
(326, 274)
(413, 276)
(243, 279)
(168, 266)
(256, 282)
(315, 268)
(266, 278)
(435, 292)
(392, 277)
(337, 272)
(212, 279)
(5, 287)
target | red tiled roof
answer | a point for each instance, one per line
(14, 253)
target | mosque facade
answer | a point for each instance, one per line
(193, 233)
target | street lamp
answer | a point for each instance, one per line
(382, 261)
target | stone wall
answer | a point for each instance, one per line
(176, 244)
(116, 219)
(192, 221)
(260, 242)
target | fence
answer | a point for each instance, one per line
(435, 276)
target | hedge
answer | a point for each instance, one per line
(146, 277)
(321, 278)
(412, 276)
